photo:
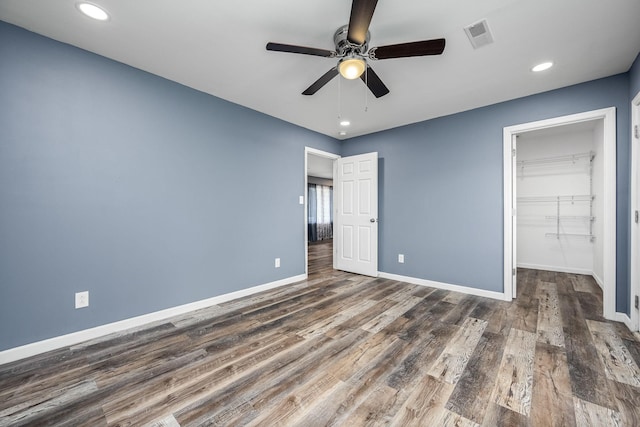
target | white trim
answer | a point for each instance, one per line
(635, 205)
(556, 269)
(598, 280)
(445, 286)
(622, 317)
(507, 215)
(608, 115)
(320, 153)
(335, 214)
(73, 338)
(610, 208)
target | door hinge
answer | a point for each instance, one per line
(636, 217)
(513, 152)
(636, 302)
(513, 271)
(636, 132)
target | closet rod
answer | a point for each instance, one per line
(557, 159)
(558, 235)
(569, 217)
(555, 199)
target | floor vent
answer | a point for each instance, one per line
(479, 34)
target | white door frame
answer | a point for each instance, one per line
(319, 153)
(608, 115)
(635, 205)
(514, 220)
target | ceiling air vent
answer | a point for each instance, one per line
(479, 34)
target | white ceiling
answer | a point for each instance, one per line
(318, 166)
(219, 48)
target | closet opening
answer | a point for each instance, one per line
(560, 204)
(559, 199)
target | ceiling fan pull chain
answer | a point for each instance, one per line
(339, 99)
(366, 92)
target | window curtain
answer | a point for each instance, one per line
(320, 203)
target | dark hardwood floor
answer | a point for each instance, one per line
(321, 259)
(342, 349)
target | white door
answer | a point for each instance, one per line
(356, 219)
(514, 223)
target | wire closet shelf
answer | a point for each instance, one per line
(565, 200)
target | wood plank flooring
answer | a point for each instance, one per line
(341, 349)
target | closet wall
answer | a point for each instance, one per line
(559, 187)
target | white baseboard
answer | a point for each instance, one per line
(73, 338)
(598, 280)
(622, 317)
(556, 269)
(445, 286)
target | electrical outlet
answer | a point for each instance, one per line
(82, 299)
(277, 262)
(401, 258)
(301, 200)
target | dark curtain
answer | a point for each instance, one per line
(313, 209)
(320, 214)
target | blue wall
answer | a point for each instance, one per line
(144, 192)
(441, 186)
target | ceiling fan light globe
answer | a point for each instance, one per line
(351, 68)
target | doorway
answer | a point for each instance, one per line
(319, 174)
(579, 217)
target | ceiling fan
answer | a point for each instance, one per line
(352, 49)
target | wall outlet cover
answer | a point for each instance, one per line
(401, 258)
(82, 299)
(277, 262)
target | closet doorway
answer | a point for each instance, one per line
(560, 186)
(319, 211)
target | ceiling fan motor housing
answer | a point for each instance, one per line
(344, 47)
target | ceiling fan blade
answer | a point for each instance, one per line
(404, 50)
(361, 14)
(373, 82)
(279, 47)
(317, 85)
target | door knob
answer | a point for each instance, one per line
(372, 220)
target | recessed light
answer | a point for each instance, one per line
(93, 11)
(345, 123)
(342, 133)
(542, 67)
